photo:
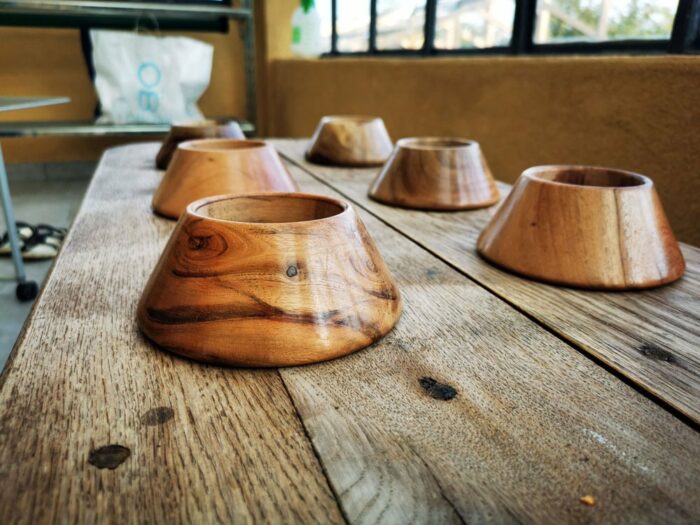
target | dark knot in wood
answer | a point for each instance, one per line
(157, 416)
(108, 456)
(436, 389)
(198, 243)
(656, 353)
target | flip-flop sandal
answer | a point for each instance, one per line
(24, 233)
(55, 231)
(39, 248)
(34, 243)
(52, 235)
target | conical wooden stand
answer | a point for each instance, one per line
(585, 227)
(192, 130)
(436, 174)
(272, 279)
(352, 141)
(203, 168)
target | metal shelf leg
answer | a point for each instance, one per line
(26, 290)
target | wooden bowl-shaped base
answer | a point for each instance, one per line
(193, 130)
(349, 141)
(436, 174)
(585, 227)
(202, 168)
(272, 279)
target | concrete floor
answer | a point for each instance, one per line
(41, 193)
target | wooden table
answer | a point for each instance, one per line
(495, 399)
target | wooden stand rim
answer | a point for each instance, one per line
(536, 174)
(194, 207)
(217, 145)
(436, 143)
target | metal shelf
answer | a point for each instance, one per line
(17, 103)
(112, 9)
(90, 129)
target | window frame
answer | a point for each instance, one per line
(684, 39)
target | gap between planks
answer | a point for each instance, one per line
(367, 416)
(291, 151)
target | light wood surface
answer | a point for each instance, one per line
(203, 168)
(81, 377)
(435, 173)
(269, 279)
(193, 130)
(349, 141)
(467, 411)
(586, 227)
(651, 337)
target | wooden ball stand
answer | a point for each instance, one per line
(193, 130)
(270, 279)
(202, 168)
(585, 227)
(352, 141)
(436, 174)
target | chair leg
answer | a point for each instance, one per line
(26, 290)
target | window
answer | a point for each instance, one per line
(352, 25)
(326, 14)
(465, 25)
(433, 27)
(400, 24)
(603, 20)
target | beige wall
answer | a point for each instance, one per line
(637, 113)
(273, 41)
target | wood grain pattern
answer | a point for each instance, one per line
(652, 336)
(269, 279)
(470, 412)
(584, 226)
(82, 377)
(192, 130)
(208, 167)
(434, 173)
(350, 141)
(467, 411)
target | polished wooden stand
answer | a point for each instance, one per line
(193, 130)
(272, 279)
(584, 226)
(435, 173)
(203, 168)
(350, 141)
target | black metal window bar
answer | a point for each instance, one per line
(685, 36)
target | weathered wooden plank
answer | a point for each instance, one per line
(533, 425)
(652, 337)
(206, 444)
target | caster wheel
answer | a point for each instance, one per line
(27, 291)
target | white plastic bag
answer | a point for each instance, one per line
(149, 79)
